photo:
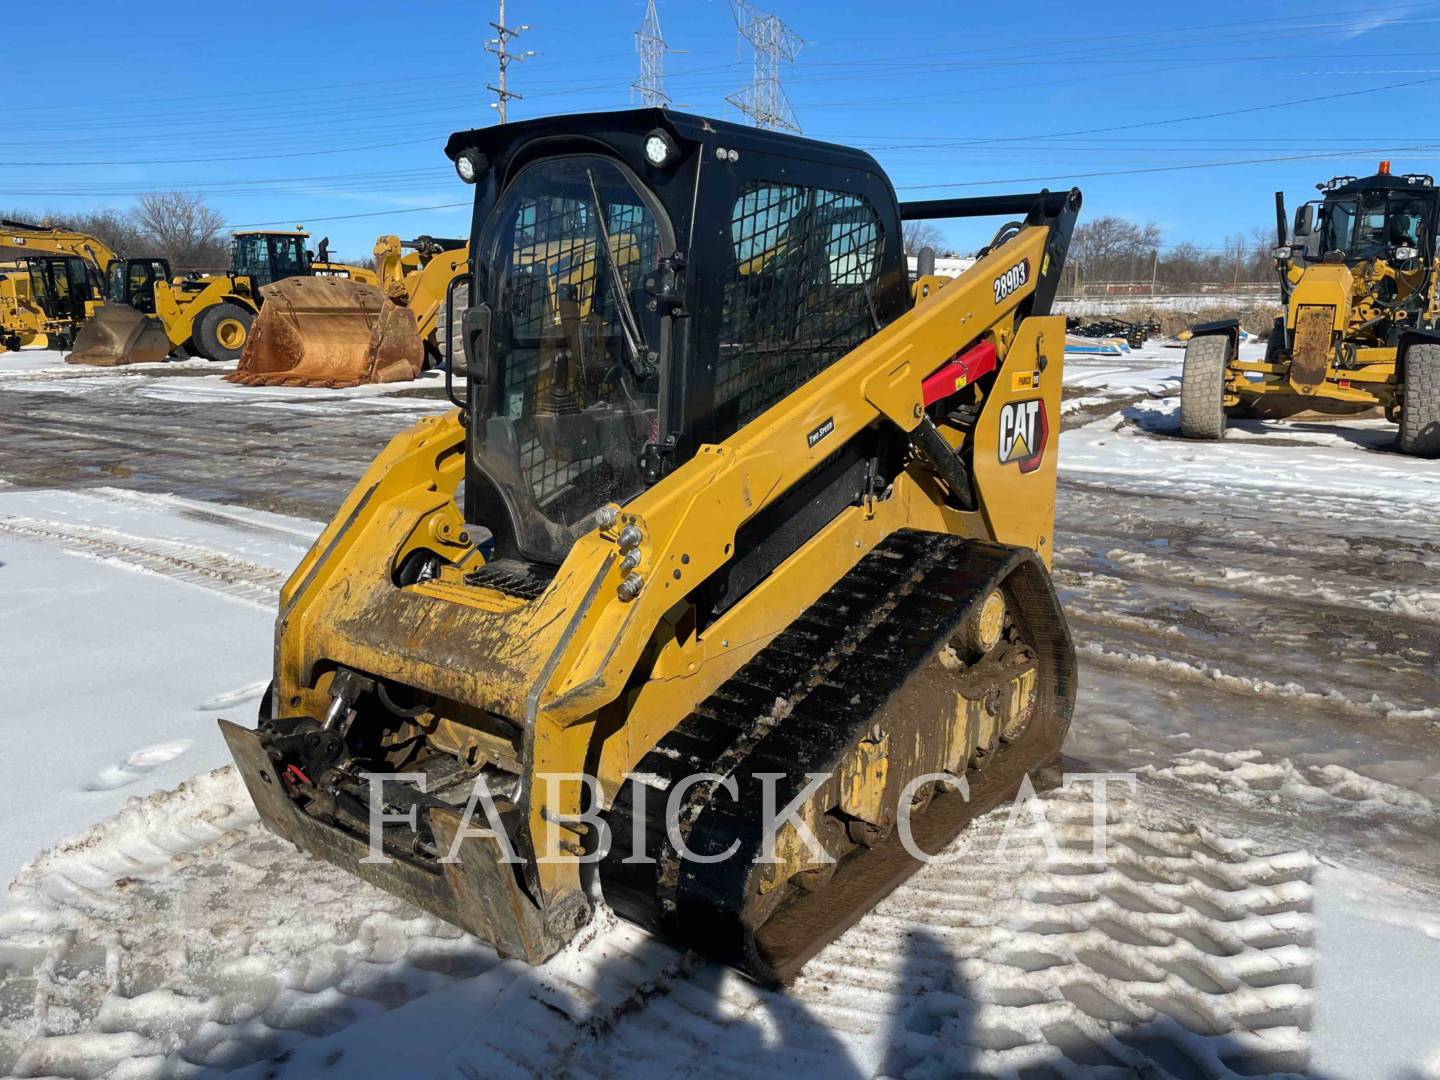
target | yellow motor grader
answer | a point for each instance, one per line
(1361, 327)
(147, 315)
(723, 595)
(331, 331)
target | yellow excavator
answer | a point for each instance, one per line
(330, 331)
(50, 281)
(723, 595)
(206, 315)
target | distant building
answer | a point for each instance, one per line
(947, 265)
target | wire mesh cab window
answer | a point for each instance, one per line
(799, 293)
(575, 348)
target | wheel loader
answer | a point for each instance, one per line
(206, 315)
(50, 281)
(723, 595)
(1361, 327)
(330, 331)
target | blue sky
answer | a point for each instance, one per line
(315, 112)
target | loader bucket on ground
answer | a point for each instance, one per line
(118, 334)
(326, 331)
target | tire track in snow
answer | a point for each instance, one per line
(248, 582)
(210, 512)
(1187, 946)
(179, 935)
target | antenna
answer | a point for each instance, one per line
(650, 44)
(764, 100)
(499, 46)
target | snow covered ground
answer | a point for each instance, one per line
(1259, 621)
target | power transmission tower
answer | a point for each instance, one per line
(764, 100)
(650, 44)
(500, 47)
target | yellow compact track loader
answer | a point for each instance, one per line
(330, 331)
(147, 315)
(1362, 318)
(724, 593)
(50, 281)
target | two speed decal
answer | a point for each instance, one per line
(1012, 279)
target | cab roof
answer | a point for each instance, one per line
(1351, 185)
(270, 232)
(498, 142)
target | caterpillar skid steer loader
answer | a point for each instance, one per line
(206, 315)
(1361, 327)
(726, 582)
(332, 331)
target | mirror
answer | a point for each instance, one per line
(1304, 220)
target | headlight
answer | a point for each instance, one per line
(1282, 252)
(1405, 254)
(470, 165)
(659, 148)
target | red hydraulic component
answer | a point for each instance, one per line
(959, 373)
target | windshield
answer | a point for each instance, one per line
(115, 282)
(1372, 225)
(266, 257)
(575, 347)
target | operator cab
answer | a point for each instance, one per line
(1376, 217)
(610, 333)
(60, 284)
(266, 257)
(133, 281)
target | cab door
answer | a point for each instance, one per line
(141, 277)
(61, 286)
(287, 257)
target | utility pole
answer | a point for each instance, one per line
(764, 100)
(500, 47)
(650, 44)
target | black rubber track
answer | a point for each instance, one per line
(831, 672)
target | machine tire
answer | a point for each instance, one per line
(222, 330)
(1420, 407)
(1202, 387)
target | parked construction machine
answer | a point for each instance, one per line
(148, 315)
(726, 579)
(50, 280)
(331, 331)
(1361, 327)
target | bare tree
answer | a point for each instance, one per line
(179, 226)
(1113, 249)
(922, 234)
(119, 232)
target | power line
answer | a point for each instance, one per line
(344, 217)
(500, 47)
(1164, 168)
(650, 44)
(764, 100)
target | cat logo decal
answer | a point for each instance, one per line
(1024, 431)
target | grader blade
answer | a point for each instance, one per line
(118, 334)
(325, 331)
